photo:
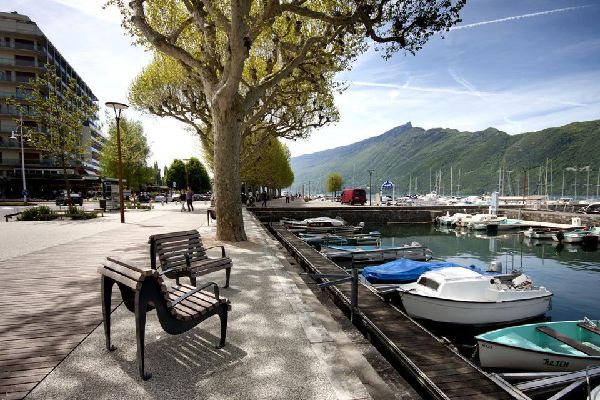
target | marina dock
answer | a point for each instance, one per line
(439, 370)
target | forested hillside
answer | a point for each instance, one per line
(408, 154)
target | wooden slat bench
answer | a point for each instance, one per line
(9, 216)
(182, 254)
(590, 351)
(179, 308)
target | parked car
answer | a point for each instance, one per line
(160, 198)
(202, 196)
(354, 196)
(76, 199)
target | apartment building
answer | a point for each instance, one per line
(24, 51)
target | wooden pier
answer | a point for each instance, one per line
(441, 371)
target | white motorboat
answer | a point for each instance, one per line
(482, 221)
(322, 225)
(546, 233)
(451, 220)
(462, 296)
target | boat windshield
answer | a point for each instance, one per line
(427, 282)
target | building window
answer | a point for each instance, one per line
(25, 61)
(24, 44)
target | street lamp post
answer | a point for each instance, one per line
(185, 166)
(14, 137)
(118, 107)
(370, 175)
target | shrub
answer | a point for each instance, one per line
(79, 213)
(41, 213)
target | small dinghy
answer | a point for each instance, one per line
(377, 254)
(321, 225)
(462, 296)
(546, 346)
(356, 239)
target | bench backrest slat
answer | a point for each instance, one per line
(176, 248)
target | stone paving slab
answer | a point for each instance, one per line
(277, 344)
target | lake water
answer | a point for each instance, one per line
(570, 272)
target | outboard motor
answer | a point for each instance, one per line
(495, 266)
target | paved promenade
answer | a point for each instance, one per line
(282, 343)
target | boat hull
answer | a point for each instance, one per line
(473, 313)
(495, 355)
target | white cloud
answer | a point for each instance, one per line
(367, 113)
(517, 17)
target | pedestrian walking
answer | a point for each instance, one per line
(287, 197)
(263, 196)
(182, 198)
(189, 197)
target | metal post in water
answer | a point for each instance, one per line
(354, 292)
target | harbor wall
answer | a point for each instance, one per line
(369, 215)
(412, 215)
(552, 216)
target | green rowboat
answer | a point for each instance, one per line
(547, 346)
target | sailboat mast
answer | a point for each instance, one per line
(562, 190)
(451, 181)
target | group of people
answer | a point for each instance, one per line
(249, 201)
(188, 196)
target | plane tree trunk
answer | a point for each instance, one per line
(227, 115)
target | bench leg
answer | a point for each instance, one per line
(223, 317)
(192, 280)
(106, 288)
(227, 275)
(141, 305)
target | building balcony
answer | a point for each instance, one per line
(11, 144)
(35, 163)
(12, 95)
(19, 63)
(17, 113)
(22, 46)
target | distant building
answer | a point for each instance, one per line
(24, 51)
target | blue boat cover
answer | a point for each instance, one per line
(404, 270)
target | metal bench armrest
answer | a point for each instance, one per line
(222, 249)
(177, 269)
(194, 291)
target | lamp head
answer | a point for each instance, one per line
(118, 107)
(13, 136)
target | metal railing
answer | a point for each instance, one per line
(18, 63)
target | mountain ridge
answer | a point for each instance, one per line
(405, 154)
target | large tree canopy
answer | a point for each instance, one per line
(187, 173)
(135, 153)
(299, 105)
(239, 52)
(272, 167)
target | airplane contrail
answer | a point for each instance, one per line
(536, 14)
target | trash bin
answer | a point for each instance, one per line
(103, 204)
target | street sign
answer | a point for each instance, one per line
(387, 185)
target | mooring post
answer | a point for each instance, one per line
(354, 292)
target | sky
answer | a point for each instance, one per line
(516, 65)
